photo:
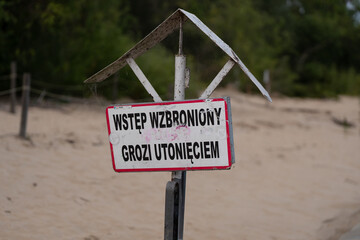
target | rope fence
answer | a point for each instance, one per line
(57, 86)
(41, 89)
(9, 91)
(44, 93)
(38, 91)
(51, 90)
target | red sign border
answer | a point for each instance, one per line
(180, 168)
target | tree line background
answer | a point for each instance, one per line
(310, 47)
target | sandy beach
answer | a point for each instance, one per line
(296, 176)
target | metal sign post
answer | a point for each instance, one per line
(178, 177)
(176, 188)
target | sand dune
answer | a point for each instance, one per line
(296, 176)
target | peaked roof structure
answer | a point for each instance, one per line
(161, 32)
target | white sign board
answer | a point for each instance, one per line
(171, 136)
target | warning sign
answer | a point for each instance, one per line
(171, 136)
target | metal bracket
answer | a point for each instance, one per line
(172, 209)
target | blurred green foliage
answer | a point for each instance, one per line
(310, 47)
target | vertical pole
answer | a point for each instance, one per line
(12, 86)
(181, 36)
(175, 196)
(25, 104)
(179, 94)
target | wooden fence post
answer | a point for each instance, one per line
(12, 87)
(25, 103)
